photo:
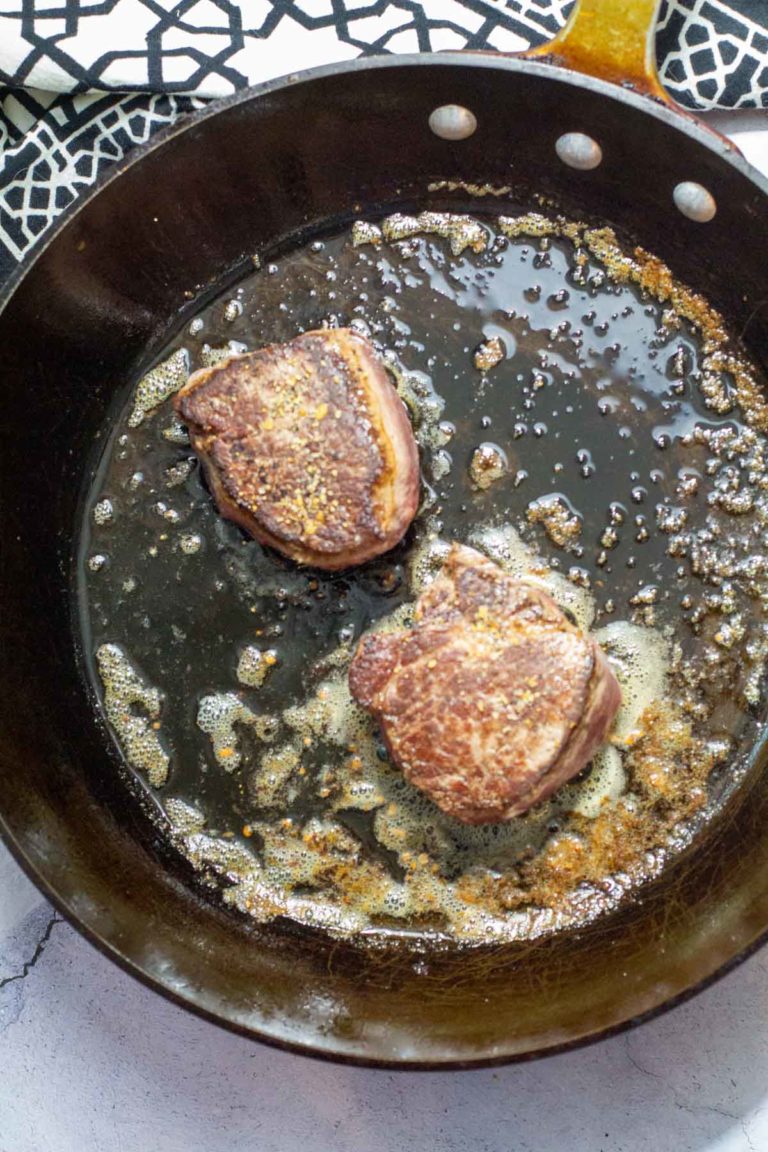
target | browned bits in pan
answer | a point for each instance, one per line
(633, 427)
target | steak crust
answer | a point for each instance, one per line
(307, 446)
(493, 699)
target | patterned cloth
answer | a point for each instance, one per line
(61, 59)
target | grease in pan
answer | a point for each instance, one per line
(621, 402)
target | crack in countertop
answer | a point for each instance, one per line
(691, 1109)
(747, 1136)
(28, 965)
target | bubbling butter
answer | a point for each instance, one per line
(218, 715)
(158, 384)
(640, 658)
(133, 709)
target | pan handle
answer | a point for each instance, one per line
(615, 40)
(612, 40)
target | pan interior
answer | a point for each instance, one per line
(583, 420)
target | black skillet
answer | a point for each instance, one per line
(77, 323)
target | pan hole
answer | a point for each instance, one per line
(453, 122)
(579, 151)
(694, 201)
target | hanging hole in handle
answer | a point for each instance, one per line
(694, 201)
(453, 122)
(578, 150)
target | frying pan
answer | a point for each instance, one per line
(83, 316)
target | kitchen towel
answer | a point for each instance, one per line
(83, 81)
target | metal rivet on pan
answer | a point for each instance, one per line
(694, 201)
(578, 151)
(452, 122)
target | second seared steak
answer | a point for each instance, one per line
(493, 699)
(308, 447)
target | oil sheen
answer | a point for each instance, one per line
(584, 420)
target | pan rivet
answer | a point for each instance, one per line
(694, 201)
(578, 151)
(452, 122)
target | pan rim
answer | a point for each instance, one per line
(688, 126)
(681, 120)
(152, 982)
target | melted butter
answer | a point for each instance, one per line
(133, 709)
(640, 658)
(620, 394)
(270, 783)
(253, 665)
(460, 231)
(158, 384)
(219, 716)
(605, 784)
(420, 397)
(431, 849)
(212, 357)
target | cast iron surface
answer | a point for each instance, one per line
(78, 323)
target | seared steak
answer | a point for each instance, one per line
(493, 699)
(307, 446)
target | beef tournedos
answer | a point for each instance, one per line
(493, 699)
(308, 447)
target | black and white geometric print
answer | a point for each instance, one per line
(712, 52)
(83, 81)
(55, 146)
(213, 47)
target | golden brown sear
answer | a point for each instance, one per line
(493, 699)
(308, 447)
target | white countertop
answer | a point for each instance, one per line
(91, 1061)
